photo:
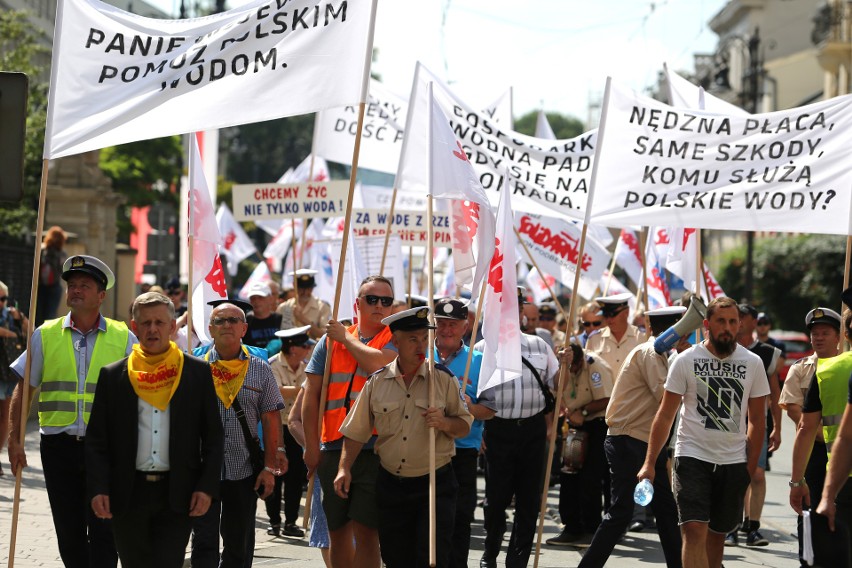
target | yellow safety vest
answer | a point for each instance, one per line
(833, 381)
(59, 398)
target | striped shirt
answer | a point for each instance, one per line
(258, 395)
(522, 398)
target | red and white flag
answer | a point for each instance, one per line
(627, 255)
(710, 288)
(682, 257)
(501, 326)
(236, 244)
(452, 177)
(658, 289)
(537, 284)
(208, 278)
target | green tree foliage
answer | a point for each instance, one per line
(563, 126)
(792, 275)
(262, 152)
(22, 50)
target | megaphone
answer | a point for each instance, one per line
(691, 320)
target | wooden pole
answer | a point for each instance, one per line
(611, 268)
(190, 159)
(466, 377)
(535, 265)
(356, 152)
(410, 272)
(643, 258)
(388, 228)
(25, 385)
(293, 252)
(699, 265)
(563, 376)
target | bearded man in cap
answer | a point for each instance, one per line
(629, 414)
(618, 338)
(396, 402)
(67, 355)
(450, 351)
(305, 308)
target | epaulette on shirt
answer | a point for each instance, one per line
(590, 359)
(442, 367)
(376, 372)
(594, 333)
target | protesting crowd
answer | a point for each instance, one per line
(147, 448)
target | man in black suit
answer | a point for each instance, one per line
(154, 445)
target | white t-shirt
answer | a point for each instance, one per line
(715, 392)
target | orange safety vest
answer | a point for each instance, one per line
(345, 381)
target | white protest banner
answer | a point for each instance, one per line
(781, 171)
(684, 94)
(544, 175)
(411, 227)
(555, 245)
(381, 137)
(500, 111)
(304, 200)
(117, 77)
(380, 197)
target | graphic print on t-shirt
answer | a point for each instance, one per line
(719, 389)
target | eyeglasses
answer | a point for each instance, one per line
(373, 300)
(592, 323)
(3, 298)
(222, 321)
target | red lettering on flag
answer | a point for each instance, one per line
(686, 233)
(460, 154)
(495, 272)
(216, 278)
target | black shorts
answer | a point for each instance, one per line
(709, 493)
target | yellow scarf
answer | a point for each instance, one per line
(228, 376)
(155, 378)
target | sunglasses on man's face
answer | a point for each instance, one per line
(592, 323)
(223, 320)
(373, 300)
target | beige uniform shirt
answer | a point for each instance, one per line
(797, 382)
(315, 312)
(285, 376)
(593, 382)
(637, 393)
(614, 352)
(396, 412)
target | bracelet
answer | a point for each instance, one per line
(275, 472)
(797, 483)
(282, 450)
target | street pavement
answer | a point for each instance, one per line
(36, 544)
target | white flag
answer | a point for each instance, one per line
(537, 284)
(452, 177)
(545, 175)
(684, 94)
(710, 288)
(682, 257)
(781, 171)
(236, 244)
(542, 127)
(208, 279)
(501, 328)
(117, 77)
(260, 275)
(627, 255)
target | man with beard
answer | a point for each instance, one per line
(723, 388)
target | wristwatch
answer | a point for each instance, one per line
(797, 483)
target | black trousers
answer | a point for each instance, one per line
(403, 504)
(515, 458)
(464, 466)
(149, 533)
(626, 456)
(293, 482)
(589, 488)
(233, 517)
(815, 476)
(84, 540)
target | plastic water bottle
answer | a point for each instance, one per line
(643, 493)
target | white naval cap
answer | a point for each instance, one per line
(91, 266)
